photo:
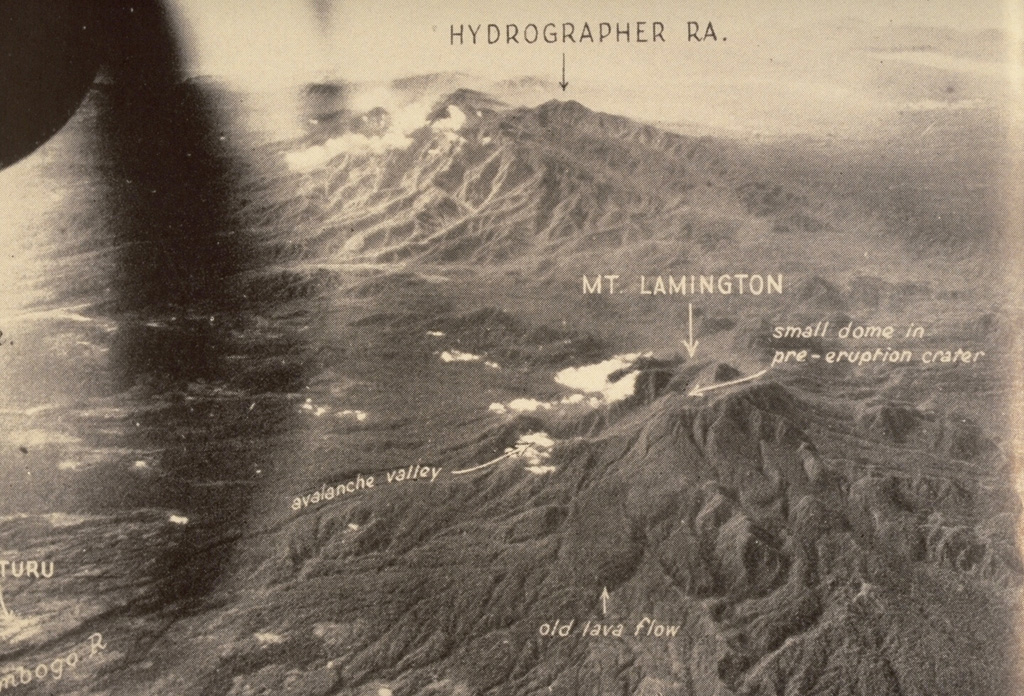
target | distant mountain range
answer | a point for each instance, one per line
(480, 181)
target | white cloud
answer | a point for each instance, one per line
(454, 121)
(458, 356)
(346, 144)
(406, 119)
(594, 378)
(532, 448)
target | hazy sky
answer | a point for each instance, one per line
(824, 59)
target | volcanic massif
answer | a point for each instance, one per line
(396, 446)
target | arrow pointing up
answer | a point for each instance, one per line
(691, 345)
(604, 601)
(563, 83)
(701, 391)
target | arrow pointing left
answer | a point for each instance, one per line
(700, 391)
